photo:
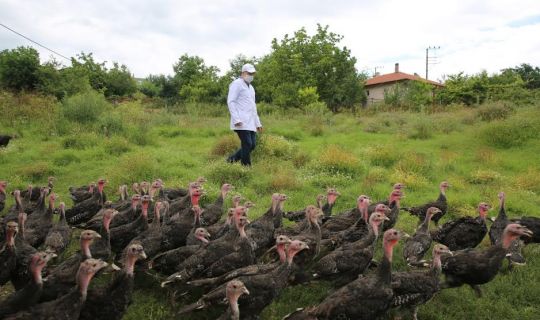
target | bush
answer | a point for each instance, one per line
(111, 124)
(421, 130)
(415, 162)
(300, 159)
(498, 110)
(133, 167)
(269, 145)
(511, 132)
(336, 159)
(223, 172)
(529, 181)
(84, 107)
(384, 156)
(225, 146)
(484, 177)
(117, 146)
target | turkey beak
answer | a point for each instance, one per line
(386, 218)
(245, 290)
(526, 232)
(142, 255)
(404, 235)
(207, 235)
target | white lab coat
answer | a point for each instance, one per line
(241, 103)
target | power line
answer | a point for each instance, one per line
(39, 44)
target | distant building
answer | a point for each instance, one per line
(376, 86)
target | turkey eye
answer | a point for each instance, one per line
(234, 287)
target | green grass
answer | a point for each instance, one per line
(479, 153)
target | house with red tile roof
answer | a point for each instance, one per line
(378, 85)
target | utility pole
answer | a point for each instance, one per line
(432, 61)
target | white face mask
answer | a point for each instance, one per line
(248, 78)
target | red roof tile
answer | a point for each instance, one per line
(398, 76)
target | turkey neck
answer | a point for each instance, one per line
(442, 195)
(502, 211)
(385, 269)
(195, 199)
(85, 248)
(130, 265)
(41, 201)
(36, 275)
(10, 238)
(425, 225)
(436, 264)
(280, 248)
(62, 219)
(51, 207)
(233, 303)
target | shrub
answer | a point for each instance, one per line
(421, 130)
(111, 124)
(84, 107)
(415, 162)
(336, 159)
(375, 175)
(529, 181)
(269, 145)
(117, 146)
(225, 145)
(65, 158)
(283, 180)
(511, 132)
(223, 172)
(413, 180)
(484, 177)
(300, 159)
(384, 156)
(497, 110)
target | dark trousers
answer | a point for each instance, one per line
(247, 140)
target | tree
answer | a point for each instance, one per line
(96, 72)
(119, 81)
(19, 68)
(529, 74)
(196, 82)
(303, 61)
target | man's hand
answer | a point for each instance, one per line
(238, 124)
(259, 129)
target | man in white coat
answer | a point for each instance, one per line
(244, 118)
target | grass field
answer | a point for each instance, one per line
(480, 151)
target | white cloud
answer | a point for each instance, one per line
(150, 36)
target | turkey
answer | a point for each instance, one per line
(8, 254)
(465, 232)
(299, 215)
(174, 194)
(13, 213)
(124, 201)
(264, 288)
(168, 261)
(234, 290)
(475, 267)
(20, 276)
(101, 247)
(213, 212)
(416, 247)
(123, 217)
(68, 306)
(40, 221)
(261, 231)
(191, 199)
(533, 224)
(84, 211)
(412, 289)
(82, 193)
(194, 266)
(364, 298)
(62, 278)
(345, 220)
(29, 295)
(218, 230)
(96, 221)
(3, 194)
(122, 235)
(32, 194)
(260, 268)
(496, 231)
(398, 188)
(59, 235)
(151, 238)
(4, 140)
(331, 196)
(351, 259)
(181, 223)
(112, 301)
(394, 205)
(441, 203)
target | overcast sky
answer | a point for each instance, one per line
(149, 36)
